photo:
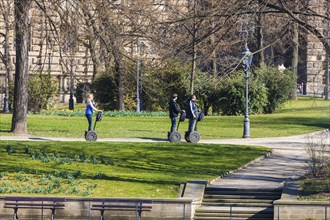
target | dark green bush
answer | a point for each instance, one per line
(41, 88)
(269, 88)
(232, 95)
(105, 91)
(279, 86)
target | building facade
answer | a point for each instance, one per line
(317, 62)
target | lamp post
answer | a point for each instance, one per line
(71, 102)
(140, 50)
(138, 78)
(247, 60)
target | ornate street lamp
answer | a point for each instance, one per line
(247, 61)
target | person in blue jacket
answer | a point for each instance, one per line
(192, 113)
(90, 107)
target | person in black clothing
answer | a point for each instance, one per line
(174, 110)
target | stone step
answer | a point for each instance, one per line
(243, 189)
(216, 204)
(226, 209)
(218, 196)
(233, 192)
(234, 213)
(227, 218)
(238, 203)
(228, 200)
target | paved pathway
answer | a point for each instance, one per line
(288, 160)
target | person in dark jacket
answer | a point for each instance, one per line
(192, 113)
(174, 110)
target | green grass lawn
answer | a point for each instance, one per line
(138, 169)
(296, 117)
(114, 169)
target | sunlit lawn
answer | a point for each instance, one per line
(296, 117)
(113, 169)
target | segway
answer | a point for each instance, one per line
(92, 135)
(175, 136)
(194, 136)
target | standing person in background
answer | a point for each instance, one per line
(192, 113)
(174, 110)
(89, 110)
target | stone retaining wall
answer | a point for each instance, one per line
(79, 208)
(289, 208)
(299, 210)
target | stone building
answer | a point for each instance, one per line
(317, 62)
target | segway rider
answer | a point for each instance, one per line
(192, 113)
(89, 110)
(174, 110)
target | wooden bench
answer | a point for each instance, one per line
(136, 205)
(52, 203)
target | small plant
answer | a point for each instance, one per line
(99, 176)
(77, 174)
(318, 154)
(43, 180)
(81, 157)
(93, 160)
(20, 176)
(2, 174)
(10, 149)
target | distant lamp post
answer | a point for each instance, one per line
(71, 102)
(247, 61)
(140, 50)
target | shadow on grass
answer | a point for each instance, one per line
(154, 139)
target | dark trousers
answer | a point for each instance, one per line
(192, 123)
(90, 121)
(173, 124)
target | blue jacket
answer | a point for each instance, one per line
(89, 108)
(192, 110)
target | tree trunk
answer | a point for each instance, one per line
(120, 83)
(295, 58)
(116, 50)
(19, 120)
(260, 39)
(194, 51)
(327, 75)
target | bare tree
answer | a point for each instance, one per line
(19, 120)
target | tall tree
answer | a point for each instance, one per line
(19, 119)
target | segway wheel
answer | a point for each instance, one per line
(194, 137)
(175, 137)
(91, 136)
(186, 136)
